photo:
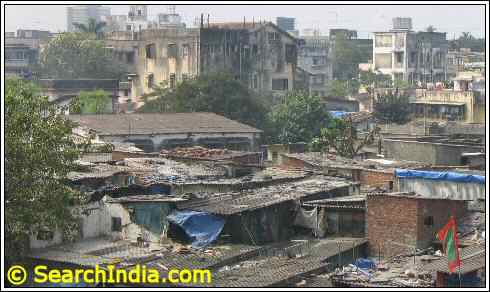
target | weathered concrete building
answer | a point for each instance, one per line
(411, 56)
(153, 132)
(315, 57)
(22, 51)
(259, 54)
(432, 152)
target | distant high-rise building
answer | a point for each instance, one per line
(286, 23)
(82, 14)
(402, 23)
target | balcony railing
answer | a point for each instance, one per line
(16, 62)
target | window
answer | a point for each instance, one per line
(130, 57)
(185, 50)
(151, 51)
(172, 51)
(318, 79)
(290, 53)
(254, 81)
(128, 27)
(116, 224)
(45, 235)
(255, 50)
(172, 80)
(383, 41)
(274, 36)
(150, 81)
(429, 221)
(383, 60)
(279, 84)
(413, 57)
(399, 57)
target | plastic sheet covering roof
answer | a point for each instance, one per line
(441, 176)
(339, 114)
(201, 227)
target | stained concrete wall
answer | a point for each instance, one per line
(442, 189)
(433, 153)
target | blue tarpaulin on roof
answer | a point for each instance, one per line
(339, 114)
(443, 176)
(201, 227)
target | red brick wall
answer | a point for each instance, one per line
(290, 162)
(391, 220)
(397, 223)
(376, 178)
(120, 155)
(440, 210)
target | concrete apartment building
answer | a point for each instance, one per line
(22, 51)
(259, 54)
(315, 56)
(411, 56)
(82, 14)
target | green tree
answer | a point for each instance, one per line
(372, 80)
(92, 102)
(218, 93)
(392, 107)
(341, 135)
(430, 28)
(39, 152)
(298, 119)
(75, 56)
(93, 27)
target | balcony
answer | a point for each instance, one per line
(16, 63)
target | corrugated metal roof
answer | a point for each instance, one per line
(472, 257)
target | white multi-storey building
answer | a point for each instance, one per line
(411, 56)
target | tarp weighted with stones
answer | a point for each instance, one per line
(201, 227)
(441, 176)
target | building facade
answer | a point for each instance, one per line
(411, 56)
(315, 57)
(83, 13)
(22, 51)
(259, 54)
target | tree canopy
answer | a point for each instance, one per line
(218, 93)
(347, 58)
(92, 102)
(299, 118)
(39, 153)
(76, 56)
(93, 27)
(392, 107)
(341, 135)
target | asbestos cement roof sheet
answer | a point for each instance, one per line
(160, 123)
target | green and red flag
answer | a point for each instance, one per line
(448, 235)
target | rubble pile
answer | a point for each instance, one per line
(194, 152)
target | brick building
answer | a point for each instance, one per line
(401, 222)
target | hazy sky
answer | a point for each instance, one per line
(452, 19)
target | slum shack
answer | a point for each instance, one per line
(468, 275)
(340, 216)
(91, 176)
(267, 214)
